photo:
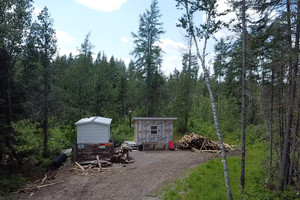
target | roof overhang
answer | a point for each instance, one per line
(94, 120)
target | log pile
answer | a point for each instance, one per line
(201, 144)
(100, 165)
(122, 155)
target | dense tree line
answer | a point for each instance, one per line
(255, 80)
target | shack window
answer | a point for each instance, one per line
(153, 129)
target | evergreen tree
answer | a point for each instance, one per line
(44, 42)
(15, 19)
(147, 52)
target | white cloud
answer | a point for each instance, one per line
(64, 37)
(61, 50)
(65, 43)
(124, 39)
(102, 5)
(172, 56)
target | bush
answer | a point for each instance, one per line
(206, 129)
(121, 132)
(29, 145)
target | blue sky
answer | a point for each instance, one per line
(110, 23)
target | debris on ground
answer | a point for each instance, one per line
(87, 166)
(201, 144)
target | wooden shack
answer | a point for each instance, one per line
(153, 131)
(93, 138)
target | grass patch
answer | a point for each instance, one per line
(207, 180)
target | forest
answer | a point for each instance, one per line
(249, 94)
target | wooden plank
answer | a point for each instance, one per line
(98, 162)
(78, 165)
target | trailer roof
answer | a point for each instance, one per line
(155, 118)
(95, 120)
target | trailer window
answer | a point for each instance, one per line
(153, 129)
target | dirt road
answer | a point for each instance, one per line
(139, 180)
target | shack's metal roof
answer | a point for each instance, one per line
(155, 118)
(95, 120)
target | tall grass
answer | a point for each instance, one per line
(207, 180)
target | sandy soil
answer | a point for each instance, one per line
(139, 180)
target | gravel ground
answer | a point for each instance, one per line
(139, 180)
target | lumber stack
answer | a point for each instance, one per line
(200, 143)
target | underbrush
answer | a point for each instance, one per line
(121, 132)
(28, 145)
(207, 180)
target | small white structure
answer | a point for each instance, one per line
(153, 130)
(93, 130)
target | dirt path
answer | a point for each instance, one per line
(139, 180)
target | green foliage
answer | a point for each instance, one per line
(29, 142)
(121, 132)
(148, 55)
(254, 133)
(61, 138)
(28, 138)
(203, 128)
(199, 184)
(10, 182)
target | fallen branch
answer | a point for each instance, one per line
(44, 179)
(78, 165)
(36, 187)
(50, 184)
(210, 151)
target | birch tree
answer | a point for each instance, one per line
(203, 33)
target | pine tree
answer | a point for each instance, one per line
(147, 52)
(14, 22)
(44, 42)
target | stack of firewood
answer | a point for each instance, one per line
(122, 155)
(200, 143)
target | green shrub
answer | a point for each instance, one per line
(203, 128)
(29, 140)
(254, 133)
(121, 132)
(10, 182)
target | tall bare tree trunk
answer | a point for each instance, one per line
(295, 65)
(46, 109)
(293, 74)
(243, 125)
(271, 126)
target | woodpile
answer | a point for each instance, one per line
(201, 144)
(122, 155)
(100, 165)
